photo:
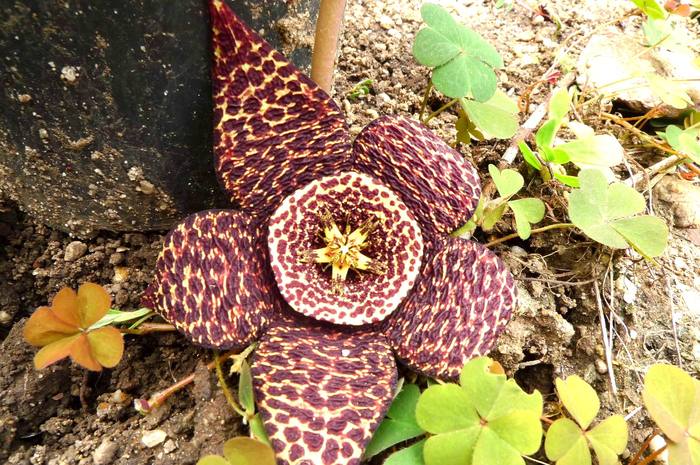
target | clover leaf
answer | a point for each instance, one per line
(672, 398)
(400, 423)
(608, 214)
(66, 330)
(463, 61)
(495, 118)
(411, 455)
(686, 141)
(242, 451)
(650, 8)
(526, 211)
(486, 419)
(568, 442)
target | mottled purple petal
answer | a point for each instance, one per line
(350, 198)
(322, 390)
(212, 281)
(274, 129)
(437, 184)
(462, 302)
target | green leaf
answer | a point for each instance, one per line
(247, 451)
(212, 460)
(257, 429)
(605, 214)
(114, 316)
(567, 180)
(529, 155)
(579, 398)
(672, 398)
(520, 429)
(545, 134)
(412, 455)
(555, 155)
(493, 212)
(609, 439)
(496, 118)
(526, 211)
(650, 8)
(508, 182)
(684, 141)
(597, 151)
(559, 105)
(432, 48)
(445, 408)
(455, 447)
(400, 424)
(566, 444)
(466, 129)
(491, 449)
(245, 389)
(463, 61)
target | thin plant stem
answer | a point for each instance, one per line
(328, 26)
(534, 231)
(645, 445)
(147, 328)
(157, 399)
(224, 386)
(426, 95)
(440, 110)
(462, 229)
(651, 457)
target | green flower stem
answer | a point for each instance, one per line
(534, 231)
(440, 110)
(424, 103)
(462, 229)
(227, 392)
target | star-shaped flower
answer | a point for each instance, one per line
(337, 254)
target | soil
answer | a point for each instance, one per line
(61, 416)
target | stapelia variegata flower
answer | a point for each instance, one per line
(337, 255)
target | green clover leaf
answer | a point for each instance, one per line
(486, 419)
(463, 61)
(607, 214)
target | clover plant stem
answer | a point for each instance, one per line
(426, 96)
(645, 445)
(651, 457)
(328, 26)
(534, 231)
(147, 328)
(224, 386)
(440, 110)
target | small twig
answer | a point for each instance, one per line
(633, 413)
(440, 110)
(535, 460)
(328, 26)
(534, 231)
(147, 328)
(659, 167)
(604, 330)
(529, 126)
(157, 399)
(673, 321)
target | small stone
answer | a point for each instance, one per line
(105, 452)
(121, 274)
(116, 258)
(386, 22)
(24, 98)
(600, 366)
(69, 74)
(74, 251)
(153, 438)
(683, 197)
(5, 318)
(43, 133)
(146, 187)
(169, 446)
(121, 297)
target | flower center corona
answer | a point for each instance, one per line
(343, 250)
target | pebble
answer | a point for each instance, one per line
(74, 251)
(69, 74)
(169, 446)
(386, 22)
(146, 187)
(600, 366)
(121, 274)
(153, 438)
(43, 133)
(116, 258)
(24, 98)
(105, 452)
(5, 318)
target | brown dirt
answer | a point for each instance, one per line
(556, 331)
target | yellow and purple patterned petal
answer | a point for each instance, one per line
(437, 184)
(462, 302)
(322, 390)
(275, 130)
(348, 200)
(212, 281)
